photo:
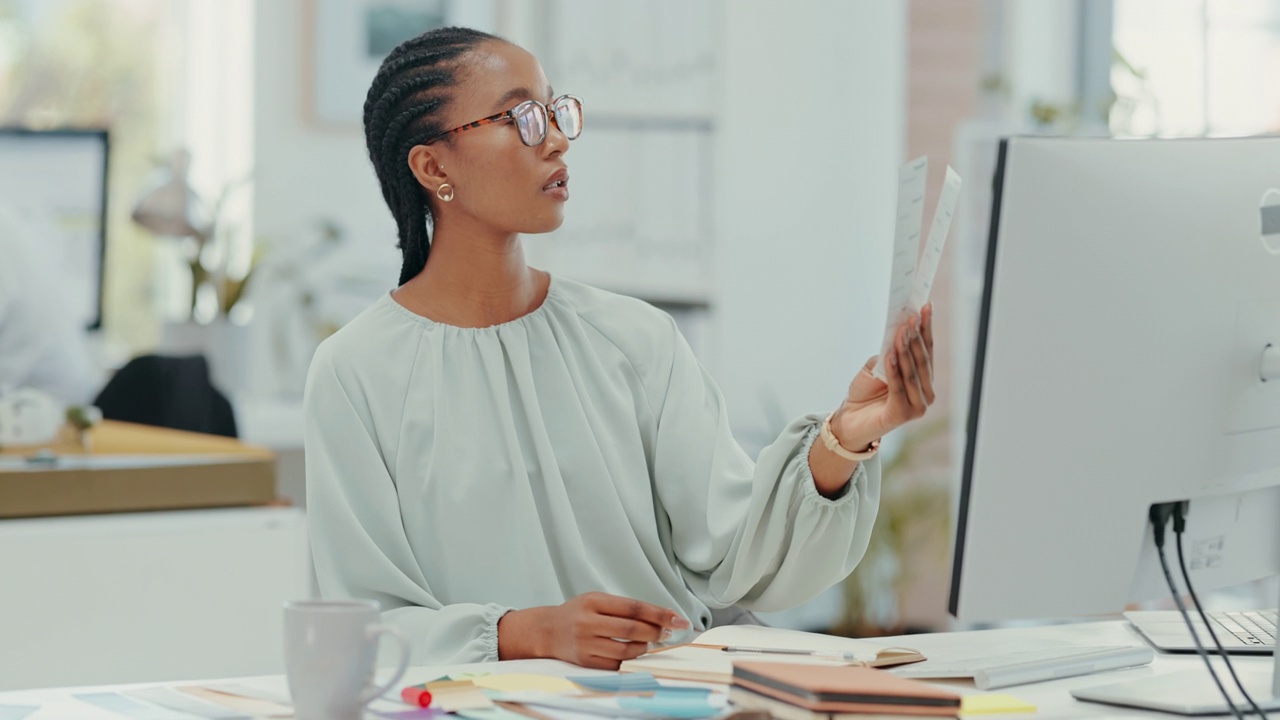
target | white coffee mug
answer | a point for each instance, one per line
(330, 649)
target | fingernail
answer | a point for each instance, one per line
(679, 622)
(666, 635)
(893, 360)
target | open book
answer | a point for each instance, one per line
(709, 658)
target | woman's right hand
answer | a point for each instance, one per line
(593, 630)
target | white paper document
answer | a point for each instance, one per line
(707, 661)
(914, 267)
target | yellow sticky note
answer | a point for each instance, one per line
(993, 703)
(517, 682)
(454, 695)
(442, 686)
(253, 706)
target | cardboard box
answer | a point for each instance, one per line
(131, 468)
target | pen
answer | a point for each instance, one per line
(788, 651)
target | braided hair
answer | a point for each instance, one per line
(403, 108)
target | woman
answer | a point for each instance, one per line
(517, 465)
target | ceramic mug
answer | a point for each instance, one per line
(330, 652)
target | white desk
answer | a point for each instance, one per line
(1051, 698)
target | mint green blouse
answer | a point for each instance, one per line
(455, 473)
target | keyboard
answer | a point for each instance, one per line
(1251, 627)
(1240, 632)
(1027, 666)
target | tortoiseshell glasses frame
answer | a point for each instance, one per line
(531, 118)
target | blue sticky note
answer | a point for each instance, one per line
(690, 694)
(626, 682)
(16, 712)
(121, 705)
(673, 703)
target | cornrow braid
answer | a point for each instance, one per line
(402, 109)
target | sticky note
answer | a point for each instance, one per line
(992, 704)
(121, 705)
(457, 695)
(518, 682)
(626, 682)
(671, 704)
(249, 706)
(246, 691)
(495, 713)
(182, 702)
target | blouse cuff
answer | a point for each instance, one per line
(811, 493)
(489, 635)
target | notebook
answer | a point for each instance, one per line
(850, 689)
(744, 699)
(706, 659)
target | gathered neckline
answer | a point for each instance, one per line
(552, 291)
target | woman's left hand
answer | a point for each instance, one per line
(873, 406)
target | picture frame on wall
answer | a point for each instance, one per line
(636, 59)
(648, 75)
(348, 40)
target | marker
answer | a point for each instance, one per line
(416, 695)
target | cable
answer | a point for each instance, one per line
(1160, 515)
(1179, 525)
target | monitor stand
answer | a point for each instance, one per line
(1193, 692)
(1188, 692)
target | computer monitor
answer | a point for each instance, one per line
(55, 181)
(1132, 291)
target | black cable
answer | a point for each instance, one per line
(1160, 515)
(1179, 524)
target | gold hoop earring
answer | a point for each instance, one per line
(445, 192)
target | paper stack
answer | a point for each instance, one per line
(710, 657)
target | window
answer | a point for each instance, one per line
(96, 63)
(1196, 67)
(160, 75)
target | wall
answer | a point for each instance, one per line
(945, 58)
(809, 141)
(306, 171)
(1043, 38)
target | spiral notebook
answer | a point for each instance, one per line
(710, 657)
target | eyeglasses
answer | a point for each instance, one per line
(530, 117)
